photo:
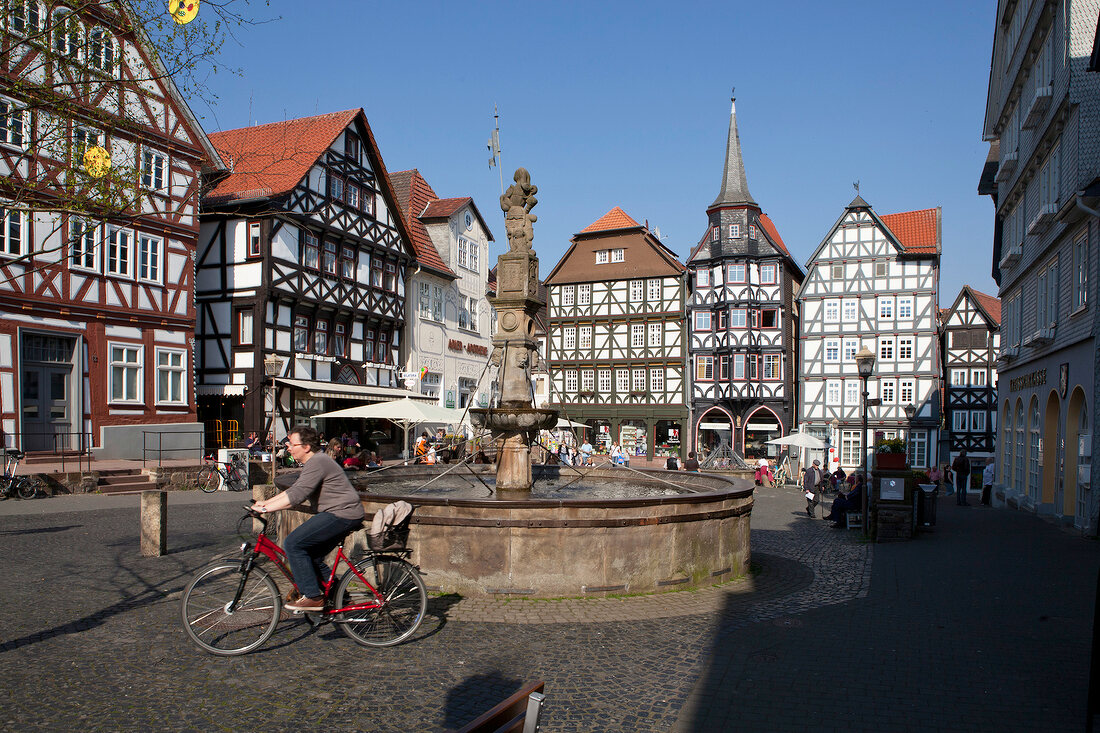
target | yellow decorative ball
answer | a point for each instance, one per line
(97, 161)
(183, 11)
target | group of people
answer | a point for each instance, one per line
(849, 491)
(347, 453)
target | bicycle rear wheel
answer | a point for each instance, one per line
(209, 479)
(406, 600)
(208, 620)
(26, 488)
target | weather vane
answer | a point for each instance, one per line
(856, 187)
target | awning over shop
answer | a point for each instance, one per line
(220, 390)
(335, 390)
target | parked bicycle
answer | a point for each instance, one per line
(232, 607)
(12, 485)
(223, 476)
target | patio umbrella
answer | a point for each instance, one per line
(566, 423)
(799, 440)
(404, 413)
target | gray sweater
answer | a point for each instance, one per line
(324, 481)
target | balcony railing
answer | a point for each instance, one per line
(1007, 166)
(1040, 103)
(1010, 255)
(1042, 218)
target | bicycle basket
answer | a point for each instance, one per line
(390, 529)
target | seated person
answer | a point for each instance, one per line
(253, 444)
(846, 502)
(672, 463)
(374, 461)
(354, 461)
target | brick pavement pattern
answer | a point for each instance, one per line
(945, 633)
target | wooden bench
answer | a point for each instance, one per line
(520, 712)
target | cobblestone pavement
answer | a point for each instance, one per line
(91, 637)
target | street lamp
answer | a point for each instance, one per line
(273, 367)
(836, 443)
(865, 362)
(910, 413)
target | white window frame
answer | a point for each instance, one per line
(833, 392)
(739, 318)
(569, 338)
(637, 291)
(568, 296)
(704, 368)
(888, 391)
(960, 421)
(655, 333)
(14, 123)
(702, 278)
(154, 169)
(622, 381)
(918, 448)
(831, 351)
(637, 379)
(120, 365)
(851, 392)
(907, 389)
(571, 381)
(13, 237)
(905, 348)
(737, 273)
(424, 301)
(771, 367)
(653, 290)
(905, 308)
(299, 336)
(656, 380)
(254, 239)
(765, 278)
(246, 327)
(702, 321)
(832, 310)
(886, 348)
(588, 380)
(603, 256)
(886, 308)
(120, 252)
(735, 231)
(851, 447)
(848, 349)
(150, 255)
(977, 377)
(175, 373)
(977, 421)
(850, 310)
(960, 377)
(585, 337)
(603, 381)
(637, 335)
(618, 255)
(1080, 271)
(584, 294)
(25, 18)
(85, 255)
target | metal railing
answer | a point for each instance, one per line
(66, 447)
(159, 450)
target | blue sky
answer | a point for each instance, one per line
(627, 104)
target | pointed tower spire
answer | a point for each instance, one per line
(735, 186)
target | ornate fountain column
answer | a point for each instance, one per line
(515, 349)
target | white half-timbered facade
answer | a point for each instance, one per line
(873, 281)
(970, 339)
(615, 341)
(448, 337)
(97, 315)
(302, 254)
(742, 321)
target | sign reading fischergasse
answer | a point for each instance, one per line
(1036, 378)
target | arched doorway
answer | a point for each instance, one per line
(763, 425)
(715, 427)
(1033, 434)
(1051, 465)
(1077, 491)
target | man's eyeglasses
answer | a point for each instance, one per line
(294, 445)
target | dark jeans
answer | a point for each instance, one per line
(307, 546)
(961, 482)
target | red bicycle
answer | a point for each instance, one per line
(232, 607)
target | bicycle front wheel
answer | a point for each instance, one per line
(209, 479)
(208, 619)
(405, 601)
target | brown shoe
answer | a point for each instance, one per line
(316, 603)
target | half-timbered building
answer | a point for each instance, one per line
(1043, 125)
(616, 337)
(742, 321)
(302, 255)
(100, 163)
(873, 281)
(448, 339)
(970, 339)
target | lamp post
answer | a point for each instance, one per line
(865, 362)
(910, 413)
(835, 442)
(273, 367)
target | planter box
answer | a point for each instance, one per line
(890, 461)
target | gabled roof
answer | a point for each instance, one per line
(773, 233)
(988, 303)
(269, 160)
(614, 219)
(443, 208)
(414, 195)
(917, 231)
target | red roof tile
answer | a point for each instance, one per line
(442, 208)
(773, 233)
(991, 305)
(917, 231)
(414, 196)
(614, 219)
(269, 160)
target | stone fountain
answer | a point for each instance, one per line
(515, 350)
(552, 531)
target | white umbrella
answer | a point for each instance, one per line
(799, 440)
(566, 423)
(404, 413)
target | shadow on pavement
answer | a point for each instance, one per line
(477, 694)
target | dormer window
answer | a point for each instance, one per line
(618, 255)
(602, 256)
(714, 234)
(351, 146)
(752, 231)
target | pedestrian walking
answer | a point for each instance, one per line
(987, 483)
(810, 479)
(961, 467)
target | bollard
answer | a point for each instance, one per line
(259, 493)
(154, 523)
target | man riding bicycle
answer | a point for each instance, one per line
(339, 511)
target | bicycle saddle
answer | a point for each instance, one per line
(16, 454)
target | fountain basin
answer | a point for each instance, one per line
(514, 418)
(640, 531)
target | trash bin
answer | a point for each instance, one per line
(926, 505)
